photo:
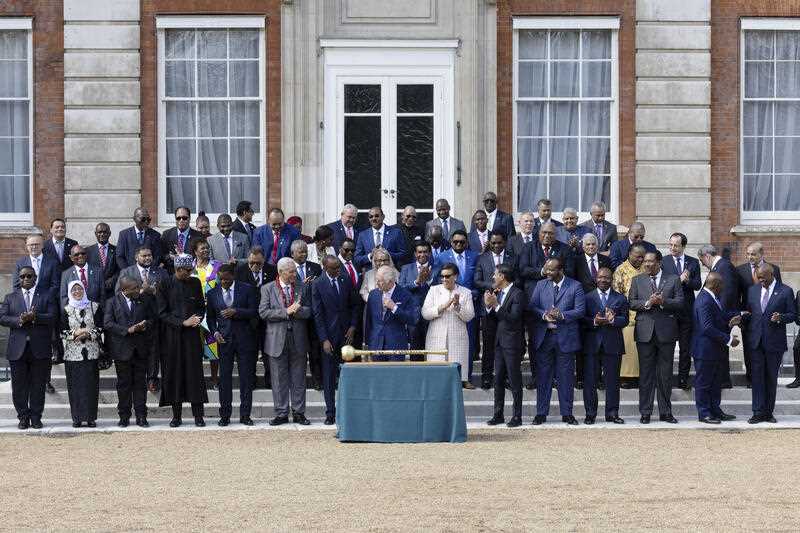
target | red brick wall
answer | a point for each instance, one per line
(626, 10)
(725, 96)
(271, 9)
(48, 120)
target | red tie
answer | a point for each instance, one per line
(276, 234)
(594, 269)
(547, 251)
(352, 273)
(349, 232)
(103, 257)
(83, 278)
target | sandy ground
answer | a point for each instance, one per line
(500, 480)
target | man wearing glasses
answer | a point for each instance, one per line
(89, 275)
(379, 235)
(413, 232)
(175, 240)
(138, 235)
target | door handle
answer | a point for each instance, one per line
(392, 192)
(385, 191)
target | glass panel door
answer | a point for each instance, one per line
(415, 148)
(362, 147)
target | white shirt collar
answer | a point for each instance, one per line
(382, 229)
(560, 283)
(605, 293)
(715, 260)
(231, 288)
(390, 291)
(658, 277)
(771, 287)
(590, 258)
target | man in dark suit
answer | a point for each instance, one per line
(230, 310)
(275, 237)
(526, 235)
(175, 240)
(46, 267)
(88, 274)
(335, 307)
(29, 312)
(103, 255)
(503, 304)
(534, 255)
(444, 220)
(379, 235)
(688, 271)
(417, 278)
(479, 233)
(498, 220)
(559, 305)
(484, 280)
(244, 217)
(391, 310)
(140, 234)
(603, 344)
(605, 231)
(796, 348)
(589, 262)
(307, 272)
(656, 297)
(438, 244)
(544, 209)
(413, 232)
(619, 249)
(770, 306)
(344, 228)
(59, 245)
(711, 335)
(130, 321)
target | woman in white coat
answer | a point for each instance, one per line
(448, 308)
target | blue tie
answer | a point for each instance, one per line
(603, 299)
(446, 229)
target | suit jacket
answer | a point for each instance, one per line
(606, 337)
(339, 234)
(157, 276)
(453, 224)
(111, 270)
(692, 284)
(238, 331)
(436, 253)
(127, 245)
(537, 223)
(572, 304)
(730, 283)
(239, 250)
(392, 239)
(334, 312)
(264, 237)
(38, 334)
(484, 269)
(745, 281)
(48, 248)
(584, 274)
(710, 333)
(474, 241)
(562, 235)
(466, 278)
(620, 249)
(414, 235)
(49, 277)
(510, 333)
(517, 242)
(408, 280)
(503, 222)
(95, 290)
(248, 230)
(245, 275)
(761, 331)
(117, 318)
(658, 321)
(532, 261)
(169, 243)
(609, 234)
(384, 330)
(273, 312)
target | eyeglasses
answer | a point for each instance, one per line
(447, 276)
(27, 276)
(78, 254)
(181, 218)
(374, 216)
(145, 219)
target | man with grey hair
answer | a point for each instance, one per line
(571, 233)
(589, 262)
(390, 312)
(605, 231)
(344, 228)
(286, 312)
(619, 250)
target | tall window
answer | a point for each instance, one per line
(565, 112)
(212, 125)
(16, 160)
(770, 150)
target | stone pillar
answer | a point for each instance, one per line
(102, 177)
(673, 115)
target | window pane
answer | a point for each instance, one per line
(362, 98)
(244, 78)
(245, 188)
(245, 119)
(529, 190)
(564, 80)
(212, 78)
(757, 155)
(362, 159)
(14, 157)
(212, 44)
(245, 156)
(213, 157)
(179, 44)
(759, 80)
(179, 78)
(787, 193)
(181, 158)
(788, 85)
(757, 193)
(531, 156)
(532, 44)
(532, 79)
(415, 161)
(415, 98)
(595, 189)
(596, 156)
(564, 192)
(787, 154)
(213, 118)
(243, 45)
(564, 119)
(181, 191)
(14, 194)
(757, 118)
(14, 119)
(213, 195)
(596, 80)
(180, 119)
(596, 119)
(564, 156)
(787, 45)
(13, 45)
(564, 44)
(787, 118)
(531, 119)
(596, 44)
(13, 79)
(758, 45)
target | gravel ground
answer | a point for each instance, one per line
(500, 480)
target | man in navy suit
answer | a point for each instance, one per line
(544, 208)
(140, 234)
(89, 275)
(770, 306)
(30, 313)
(497, 220)
(535, 254)
(688, 271)
(589, 262)
(603, 345)
(417, 278)
(244, 216)
(175, 240)
(48, 272)
(559, 305)
(230, 310)
(438, 243)
(59, 245)
(275, 237)
(712, 334)
(391, 311)
(619, 249)
(335, 305)
(344, 228)
(379, 234)
(103, 255)
(479, 233)
(605, 231)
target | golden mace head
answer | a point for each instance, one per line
(348, 353)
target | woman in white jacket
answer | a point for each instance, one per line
(448, 308)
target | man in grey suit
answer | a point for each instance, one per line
(656, 297)
(444, 221)
(229, 246)
(605, 231)
(286, 341)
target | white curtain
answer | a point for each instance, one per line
(14, 122)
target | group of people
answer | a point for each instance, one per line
(591, 310)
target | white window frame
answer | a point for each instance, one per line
(611, 24)
(759, 218)
(221, 22)
(25, 24)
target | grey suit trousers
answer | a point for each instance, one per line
(288, 373)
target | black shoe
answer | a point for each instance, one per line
(224, 421)
(279, 420)
(579, 385)
(755, 419)
(601, 385)
(684, 384)
(725, 417)
(645, 419)
(538, 420)
(515, 422)
(76, 424)
(37, 424)
(175, 422)
(49, 388)
(246, 421)
(123, 422)
(710, 420)
(330, 420)
(142, 422)
(24, 423)
(91, 424)
(570, 420)
(726, 385)
(794, 384)
(300, 418)
(669, 419)
(199, 422)
(627, 385)
(495, 420)
(589, 420)
(768, 418)
(486, 385)
(530, 385)
(615, 419)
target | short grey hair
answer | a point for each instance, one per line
(285, 264)
(298, 244)
(756, 246)
(387, 273)
(707, 249)
(589, 237)
(598, 205)
(410, 208)
(547, 225)
(570, 211)
(349, 207)
(636, 225)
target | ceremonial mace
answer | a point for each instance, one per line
(349, 353)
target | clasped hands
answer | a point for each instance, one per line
(655, 299)
(553, 315)
(139, 326)
(601, 319)
(453, 301)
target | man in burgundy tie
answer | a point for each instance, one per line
(103, 255)
(88, 274)
(275, 237)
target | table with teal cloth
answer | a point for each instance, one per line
(400, 402)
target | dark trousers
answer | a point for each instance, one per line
(765, 368)
(177, 410)
(132, 384)
(154, 357)
(247, 377)
(314, 356)
(684, 345)
(507, 366)
(655, 373)
(708, 387)
(610, 362)
(529, 326)
(550, 361)
(489, 336)
(28, 380)
(796, 354)
(417, 336)
(331, 363)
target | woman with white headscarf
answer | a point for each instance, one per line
(80, 332)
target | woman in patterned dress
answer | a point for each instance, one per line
(206, 271)
(629, 369)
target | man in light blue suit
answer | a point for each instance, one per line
(391, 311)
(379, 235)
(558, 305)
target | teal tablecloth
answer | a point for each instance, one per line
(402, 402)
